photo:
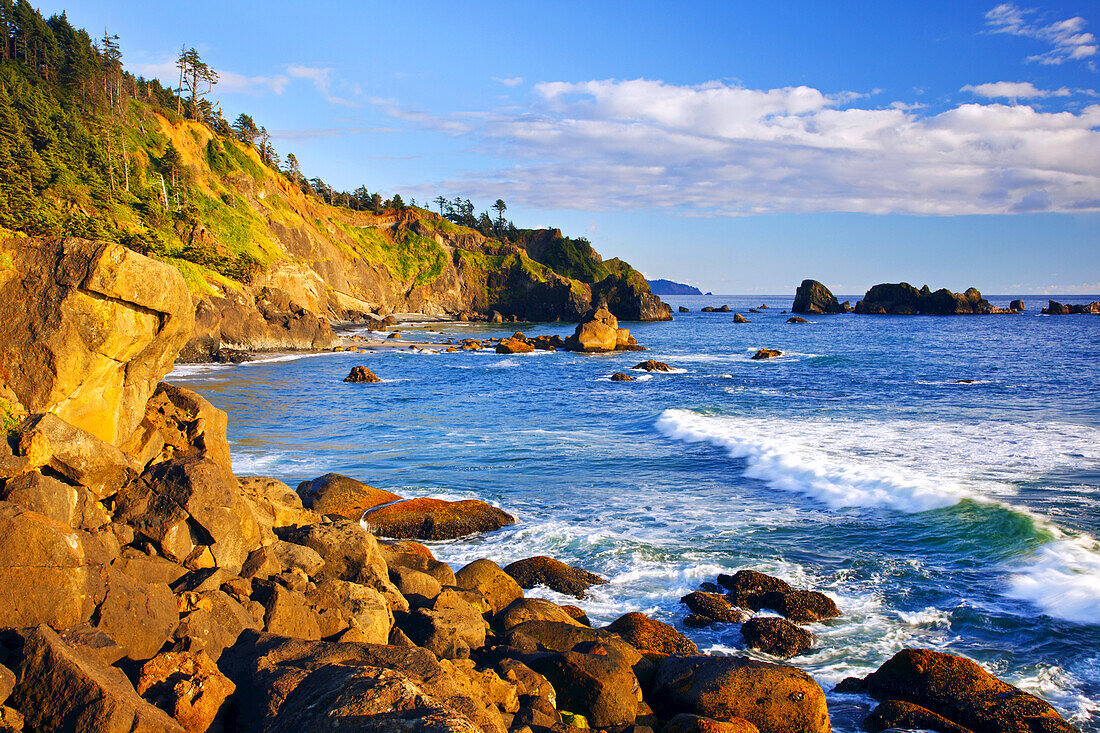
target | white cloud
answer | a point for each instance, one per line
(1068, 38)
(231, 82)
(509, 81)
(721, 149)
(322, 81)
(1013, 90)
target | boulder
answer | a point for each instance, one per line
(813, 298)
(558, 636)
(190, 507)
(713, 607)
(179, 423)
(287, 612)
(620, 377)
(212, 621)
(894, 714)
(738, 318)
(796, 319)
(350, 605)
(648, 635)
(45, 495)
(522, 610)
(775, 698)
(595, 681)
(186, 685)
(776, 636)
(362, 375)
(417, 587)
(139, 616)
(597, 332)
(652, 366)
(47, 573)
(77, 455)
(766, 354)
(514, 345)
(63, 688)
(802, 606)
(486, 577)
(554, 574)
(273, 505)
(435, 519)
(280, 557)
(959, 690)
(343, 496)
(87, 330)
(448, 626)
(441, 572)
(747, 588)
(687, 723)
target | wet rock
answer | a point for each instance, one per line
(776, 636)
(647, 635)
(497, 587)
(748, 587)
(894, 714)
(738, 318)
(554, 574)
(958, 689)
(523, 610)
(802, 606)
(62, 688)
(514, 345)
(620, 377)
(766, 354)
(796, 319)
(687, 723)
(87, 329)
(713, 607)
(436, 519)
(813, 298)
(187, 686)
(343, 496)
(653, 366)
(362, 375)
(772, 697)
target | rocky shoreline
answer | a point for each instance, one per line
(148, 588)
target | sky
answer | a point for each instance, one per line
(738, 146)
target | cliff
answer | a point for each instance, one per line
(668, 287)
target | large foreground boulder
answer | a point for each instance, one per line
(435, 519)
(87, 330)
(773, 697)
(597, 332)
(813, 298)
(959, 690)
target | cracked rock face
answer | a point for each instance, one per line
(87, 329)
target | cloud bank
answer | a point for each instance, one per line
(723, 149)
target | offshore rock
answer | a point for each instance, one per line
(796, 319)
(554, 574)
(738, 318)
(435, 519)
(713, 608)
(959, 690)
(747, 588)
(902, 299)
(596, 333)
(620, 377)
(766, 354)
(653, 366)
(813, 298)
(772, 697)
(362, 375)
(776, 636)
(1054, 308)
(87, 330)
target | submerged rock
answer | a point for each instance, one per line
(796, 319)
(361, 375)
(620, 377)
(776, 636)
(766, 354)
(653, 366)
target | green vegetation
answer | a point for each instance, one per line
(8, 422)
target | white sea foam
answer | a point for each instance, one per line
(1062, 578)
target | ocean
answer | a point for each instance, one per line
(942, 513)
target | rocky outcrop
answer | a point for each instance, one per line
(766, 354)
(652, 366)
(599, 332)
(924, 686)
(362, 375)
(620, 377)
(627, 295)
(1054, 308)
(902, 299)
(813, 298)
(1016, 306)
(87, 329)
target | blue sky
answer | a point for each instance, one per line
(740, 147)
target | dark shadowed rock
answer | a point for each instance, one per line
(902, 299)
(595, 681)
(653, 366)
(713, 607)
(813, 298)
(436, 519)
(60, 688)
(894, 714)
(961, 691)
(796, 319)
(342, 496)
(1054, 308)
(620, 377)
(649, 635)
(773, 697)
(776, 636)
(683, 309)
(747, 588)
(362, 375)
(802, 606)
(687, 723)
(1016, 306)
(766, 354)
(554, 574)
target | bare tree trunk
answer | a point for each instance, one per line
(163, 191)
(179, 90)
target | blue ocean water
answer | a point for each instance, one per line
(955, 515)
